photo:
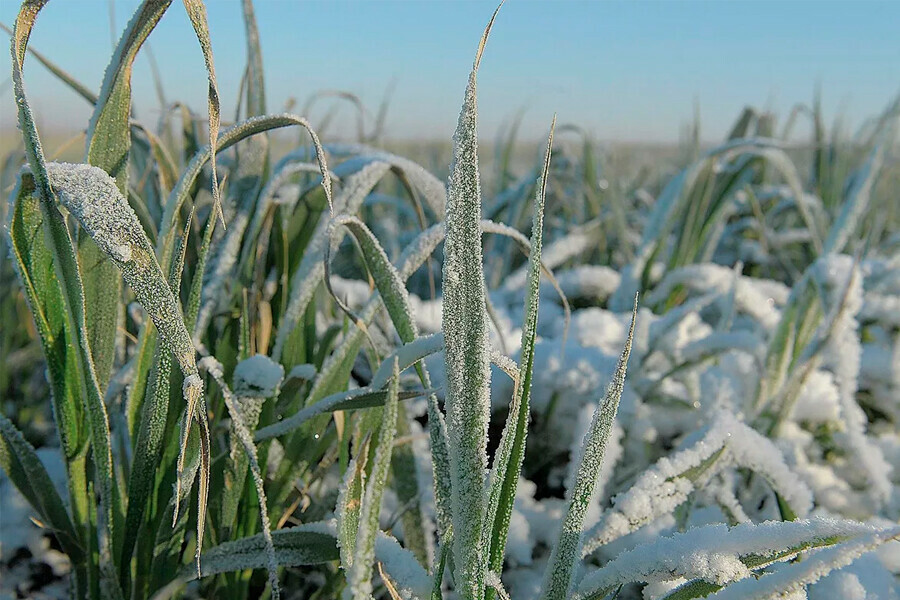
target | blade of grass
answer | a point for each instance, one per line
(466, 350)
(197, 13)
(566, 553)
(754, 546)
(108, 147)
(360, 577)
(511, 453)
(93, 198)
(246, 439)
(67, 272)
(149, 442)
(256, 89)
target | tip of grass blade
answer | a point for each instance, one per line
(484, 36)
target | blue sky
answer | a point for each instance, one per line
(627, 71)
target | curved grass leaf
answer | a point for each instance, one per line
(227, 138)
(793, 577)
(308, 544)
(108, 147)
(311, 270)
(371, 395)
(718, 555)
(93, 198)
(664, 487)
(197, 13)
(67, 272)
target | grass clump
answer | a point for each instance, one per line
(335, 426)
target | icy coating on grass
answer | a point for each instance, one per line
(718, 554)
(661, 489)
(91, 195)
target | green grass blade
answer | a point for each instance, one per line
(349, 504)
(67, 272)
(93, 198)
(511, 453)
(228, 138)
(247, 173)
(308, 544)
(246, 440)
(256, 379)
(360, 577)
(566, 554)
(387, 279)
(149, 441)
(309, 273)
(371, 395)
(197, 13)
(169, 540)
(856, 202)
(108, 147)
(467, 349)
(34, 263)
(796, 576)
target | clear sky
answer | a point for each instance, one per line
(623, 70)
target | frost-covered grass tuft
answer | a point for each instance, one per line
(367, 416)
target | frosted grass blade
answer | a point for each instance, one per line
(666, 485)
(228, 138)
(308, 544)
(566, 554)
(149, 440)
(67, 272)
(256, 89)
(795, 576)
(213, 367)
(359, 578)
(349, 503)
(108, 147)
(466, 347)
(255, 380)
(511, 453)
(719, 555)
(93, 198)
(311, 270)
(856, 202)
(197, 13)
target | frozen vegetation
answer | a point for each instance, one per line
(566, 379)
